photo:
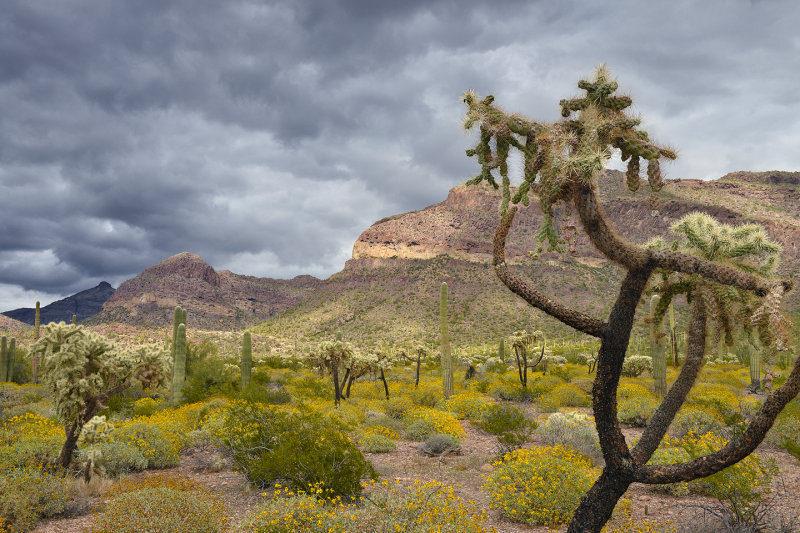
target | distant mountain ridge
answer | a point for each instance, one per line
(389, 289)
(83, 304)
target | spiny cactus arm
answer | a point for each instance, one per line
(673, 400)
(610, 358)
(736, 450)
(580, 321)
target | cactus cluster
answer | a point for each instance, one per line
(444, 336)
(178, 354)
(7, 349)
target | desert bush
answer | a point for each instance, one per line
(698, 420)
(510, 425)
(375, 442)
(29, 439)
(510, 392)
(741, 486)
(427, 395)
(540, 486)
(569, 395)
(209, 376)
(465, 405)
(28, 494)
(670, 453)
(567, 371)
(575, 430)
(398, 406)
(636, 365)
(270, 393)
(637, 410)
(164, 509)
(438, 444)
(158, 446)
(299, 448)
(715, 396)
(544, 384)
(117, 458)
(418, 508)
(422, 422)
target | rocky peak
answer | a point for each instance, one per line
(185, 265)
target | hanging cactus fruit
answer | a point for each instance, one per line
(247, 360)
(654, 175)
(632, 175)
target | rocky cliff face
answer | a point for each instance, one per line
(214, 299)
(389, 289)
(83, 304)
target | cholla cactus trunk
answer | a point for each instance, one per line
(755, 369)
(35, 355)
(247, 360)
(658, 353)
(179, 366)
(447, 358)
(3, 358)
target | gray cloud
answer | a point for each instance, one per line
(265, 136)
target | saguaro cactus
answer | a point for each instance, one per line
(657, 351)
(35, 354)
(247, 360)
(179, 365)
(74, 320)
(3, 358)
(755, 367)
(444, 336)
(501, 351)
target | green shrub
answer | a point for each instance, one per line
(438, 444)
(161, 449)
(668, 454)
(465, 404)
(575, 430)
(209, 376)
(510, 392)
(637, 410)
(698, 420)
(375, 443)
(510, 425)
(540, 486)
(569, 395)
(398, 407)
(298, 448)
(544, 384)
(419, 429)
(117, 458)
(269, 394)
(162, 509)
(427, 396)
(28, 494)
(636, 365)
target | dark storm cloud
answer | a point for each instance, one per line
(265, 136)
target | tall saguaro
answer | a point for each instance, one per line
(35, 354)
(444, 339)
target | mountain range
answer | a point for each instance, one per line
(389, 289)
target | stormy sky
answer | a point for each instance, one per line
(265, 136)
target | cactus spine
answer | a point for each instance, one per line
(35, 355)
(447, 359)
(179, 368)
(657, 352)
(247, 360)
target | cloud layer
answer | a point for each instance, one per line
(265, 136)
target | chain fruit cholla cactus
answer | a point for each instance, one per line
(247, 360)
(84, 369)
(525, 355)
(444, 339)
(333, 356)
(562, 162)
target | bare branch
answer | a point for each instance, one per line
(576, 319)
